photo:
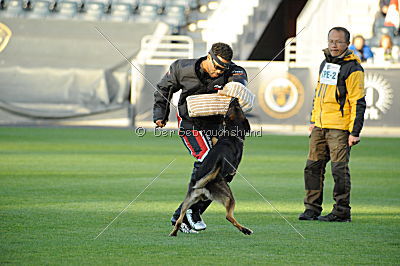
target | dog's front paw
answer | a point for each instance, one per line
(246, 231)
(173, 233)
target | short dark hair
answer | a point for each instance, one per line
(358, 37)
(223, 50)
(346, 33)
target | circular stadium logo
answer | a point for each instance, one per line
(5, 35)
(282, 97)
(378, 95)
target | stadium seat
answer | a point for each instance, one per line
(93, 11)
(13, 9)
(31, 3)
(121, 12)
(147, 13)
(105, 3)
(159, 3)
(66, 10)
(175, 16)
(79, 3)
(133, 3)
(40, 9)
(25, 4)
(187, 4)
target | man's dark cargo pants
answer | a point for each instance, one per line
(325, 145)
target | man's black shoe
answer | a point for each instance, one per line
(333, 218)
(308, 215)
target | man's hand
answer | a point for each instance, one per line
(353, 140)
(310, 128)
(160, 123)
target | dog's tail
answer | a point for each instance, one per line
(207, 178)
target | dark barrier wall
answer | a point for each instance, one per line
(383, 96)
(281, 96)
(284, 96)
(62, 69)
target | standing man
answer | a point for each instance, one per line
(204, 75)
(336, 121)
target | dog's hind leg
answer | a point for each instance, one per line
(228, 201)
(230, 206)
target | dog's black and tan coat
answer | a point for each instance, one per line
(219, 167)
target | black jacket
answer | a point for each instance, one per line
(186, 75)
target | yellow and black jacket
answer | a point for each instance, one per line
(341, 106)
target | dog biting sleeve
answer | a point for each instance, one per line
(217, 104)
(207, 104)
(238, 90)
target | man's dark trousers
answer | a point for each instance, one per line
(325, 145)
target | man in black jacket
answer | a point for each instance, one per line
(204, 75)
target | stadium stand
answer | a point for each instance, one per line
(172, 12)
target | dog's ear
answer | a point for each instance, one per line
(234, 101)
(232, 109)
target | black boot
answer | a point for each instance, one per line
(308, 215)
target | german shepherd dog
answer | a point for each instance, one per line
(219, 167)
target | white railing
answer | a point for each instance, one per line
(167, 47)
(158, 49)
(290, 51)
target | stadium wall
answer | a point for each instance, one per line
(66, 70)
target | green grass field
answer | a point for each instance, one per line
(60, 187)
